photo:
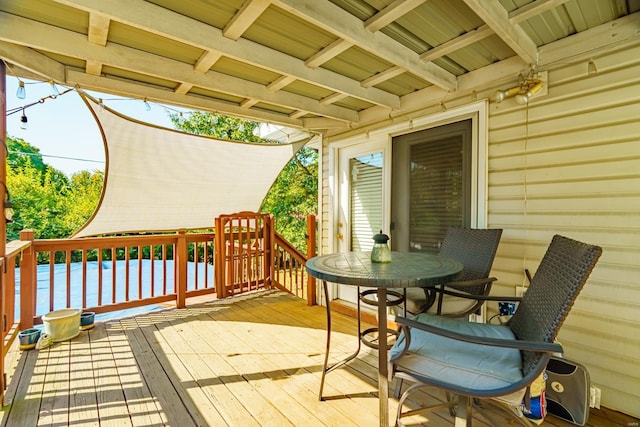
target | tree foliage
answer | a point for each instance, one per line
(294, 193)
(44, 199)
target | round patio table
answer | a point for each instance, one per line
(405, 270)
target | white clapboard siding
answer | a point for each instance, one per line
(570, 164)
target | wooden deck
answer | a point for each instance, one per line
(253, 360)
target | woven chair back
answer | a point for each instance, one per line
(475, 249)
(562, 273)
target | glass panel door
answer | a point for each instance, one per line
(431, 186)
(361, 208)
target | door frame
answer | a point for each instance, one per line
(370, 138)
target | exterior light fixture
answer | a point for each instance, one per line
(531, 88)
(21, 93)
(501, 95)
(528, 87)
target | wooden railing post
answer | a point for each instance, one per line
(28, 267)
(219, 258)
(311, 252)
(270, 251)
(181, 259)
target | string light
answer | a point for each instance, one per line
(23, 121)
(54, 89)
(21, 92)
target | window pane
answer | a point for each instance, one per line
(436, 192)
(366, 200)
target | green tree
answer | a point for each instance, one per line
(44, 199)
(293, 195)
(217, 126)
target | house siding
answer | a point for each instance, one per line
(568, 164)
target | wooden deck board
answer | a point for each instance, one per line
(250, 360)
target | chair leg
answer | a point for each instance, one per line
(423, 410)
(463, 412)
(398, 388)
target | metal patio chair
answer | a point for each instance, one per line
(476, 250)
(478, 362)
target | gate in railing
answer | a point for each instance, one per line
(244, 245)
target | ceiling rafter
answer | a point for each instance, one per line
(244, 18)
(458, 43)
(132, 90)
(390, 13)
(53, 39)
(535, 8)
(332, 18)
(515, 17)
(329, 52)
(383, 76)
(192, 32)
(98, 28)
(497, 18)
(97, 34)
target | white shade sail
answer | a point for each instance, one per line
(159, 179)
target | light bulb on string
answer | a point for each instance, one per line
(24, 125)
(54, 90)
(22, 92)
(147, 105)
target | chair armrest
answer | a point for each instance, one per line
(473, 282)
(535, 346)
(480, 297)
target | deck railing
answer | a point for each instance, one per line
(117, 273)
(289, 271)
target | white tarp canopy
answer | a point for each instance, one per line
(159, 179)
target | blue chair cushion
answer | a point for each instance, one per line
(462, 364)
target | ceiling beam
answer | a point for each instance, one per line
(497, 18)
(178, 27)
(38, 35)
(344, 25)
(32, 61)
(135, 90)
(390, 13)
(244, 18)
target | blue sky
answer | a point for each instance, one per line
(64, 130)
